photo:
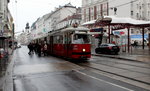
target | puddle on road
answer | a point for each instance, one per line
(41, 68)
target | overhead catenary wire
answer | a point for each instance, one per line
(124, 4)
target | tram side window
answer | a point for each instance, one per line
(65, 39)
(58, 39)
(81, 39)
(2, 43)
(55, 39)
(61, 39)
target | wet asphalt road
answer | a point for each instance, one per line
(33, 73)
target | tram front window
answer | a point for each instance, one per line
(81, 39)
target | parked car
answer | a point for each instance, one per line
(108, 48)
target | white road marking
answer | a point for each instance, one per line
(104, 81)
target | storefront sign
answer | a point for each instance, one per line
(139, 36)
(117, 27)
(119, 32)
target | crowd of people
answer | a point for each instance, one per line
(38, 48)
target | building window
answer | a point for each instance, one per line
(137, 15)
(142, 14)
(87, 1)
(0, 5)
(140, 7)
(148, 13)
(137, 6)
(131, 13)
(140, 17)
(89, 14)
(85, 15)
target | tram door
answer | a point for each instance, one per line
(51, 44)
(67, 44)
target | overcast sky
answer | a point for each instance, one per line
(24, 11)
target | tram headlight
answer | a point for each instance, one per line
(83, 50)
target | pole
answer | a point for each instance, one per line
(109, 32)
(128, 39)
(143, 37)
(149, 41)
(13, 36)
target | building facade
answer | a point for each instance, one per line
(136, 9)
(62, 17)
(6, 19)
(140, 10)
(6, 27)
(94, 9)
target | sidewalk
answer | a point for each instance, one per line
(6, 75)
(136, 54)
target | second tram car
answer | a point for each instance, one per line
(71, 43)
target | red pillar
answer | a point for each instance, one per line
(143, 37)
(109, 32)
(128, 40)
(149, 40)
(89, 14)
(101, 10)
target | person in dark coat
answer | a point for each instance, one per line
(35, 47)
(39, 49)
(29, 47)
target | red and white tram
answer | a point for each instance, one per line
(72, 43)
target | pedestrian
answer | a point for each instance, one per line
(39, 49)
(45, 49)
(29, 47)
(35, 47)
(135, 44)
(32, 48)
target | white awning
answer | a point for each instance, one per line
(127, 20)
(119, 20)
(89, 22)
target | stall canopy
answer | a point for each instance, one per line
(129, 21)
(123, 22)
(118, 20)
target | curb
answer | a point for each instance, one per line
(8, 84)
(118, 58)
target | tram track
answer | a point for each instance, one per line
(123, 68)
(111, 73)
(132, 66)
(136, 64)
